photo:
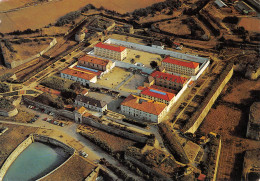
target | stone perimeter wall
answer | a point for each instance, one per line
(8, 113)
(13, 64)
(65, 113)
(11, 158)
(203, 113)
(48, 140)
(217, 161)
(20, 148)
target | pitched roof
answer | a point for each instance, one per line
(86, 70)
(82, 110)
(90, 101)
(110, 47)
(169, 77)
(163, 89)
(189, 64)
(94, 60)
(80, 74)
(158, 93)
(143, 104)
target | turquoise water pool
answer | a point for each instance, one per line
(35, 161)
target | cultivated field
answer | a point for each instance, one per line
(46, 13)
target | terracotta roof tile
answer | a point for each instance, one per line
(79, 74)
(192, 65)
(143, 104)
(94, 60)
(157, 93)
(169, 77)
(110, 47)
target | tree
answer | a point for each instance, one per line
(153, 64)
(75, 86)
(4, 87)
(132, 60)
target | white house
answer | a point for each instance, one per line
(90, 103)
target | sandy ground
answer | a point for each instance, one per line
(43, 14)
(75, 169)
(113, 78)
(231, 123)
(250, 24)
(175, 26)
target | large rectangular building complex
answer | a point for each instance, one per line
(79, 76)
(166, 80)
(96, 63)
(157, 95)
(180, 66)
(143, 108)
(110, 51)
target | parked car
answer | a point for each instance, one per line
(61, 124)
(84, 154)
(51, 114)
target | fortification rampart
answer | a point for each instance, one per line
(203, 110)
(61, 112)
(19, 149)
(68, 149)
(13, 64)
(132, 136)
(10, 113)
(34, 137)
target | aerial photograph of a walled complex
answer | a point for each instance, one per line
(129, 90)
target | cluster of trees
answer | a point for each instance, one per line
(157, 7)
(68, 94)
(27, 31)
(87, 7)
(121, 174)
(54, 83)
(8, 45)
(68, 18)
(5, 104)
(134, 122)
(231, 19)
(48, 99)
(173, 144)
(138, 171)
(4, 87)
(6, 76)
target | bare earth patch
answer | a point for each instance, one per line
(229, 119)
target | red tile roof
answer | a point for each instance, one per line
(110, 47)
(169, 77)
(143, 104)
(80, 74)
(160, 95)
(191, 65)
(94, 60)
